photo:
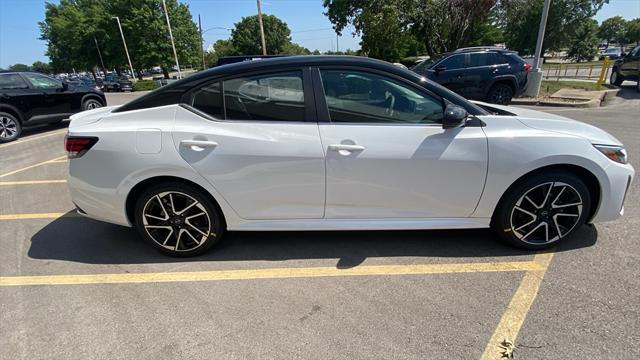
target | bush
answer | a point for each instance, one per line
(144, 85)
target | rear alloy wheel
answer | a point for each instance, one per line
(10, 128)
(500, 94)
(541, 212)
(91, 104)
(615, 78)
(178, 220)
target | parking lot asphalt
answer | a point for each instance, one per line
(71, 287)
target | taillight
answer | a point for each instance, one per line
(76, 146)
(527, 67)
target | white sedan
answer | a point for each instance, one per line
(336, 143)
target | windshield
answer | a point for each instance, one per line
(427, 64)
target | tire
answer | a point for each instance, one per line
(535, 224)
(10, 127)
(91, 104)
(500, 94)
(615, 78)
(183, 229)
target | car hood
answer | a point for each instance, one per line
(556, 123)
(89, 116)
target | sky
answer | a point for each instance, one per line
(310, 28)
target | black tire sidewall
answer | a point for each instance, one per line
(85, 104)
(218, 225)
(18, 127)
(619, 79)
(501, 222)
(495, 88)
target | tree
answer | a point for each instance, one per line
(633, 31)
(295, 49)
(393, 29)
(520, 21)
(584, 45)
(614, 29)
(41, 67)
(19, 67)
(245, 37)
(220, 49)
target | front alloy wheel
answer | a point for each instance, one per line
(10, 128)
(542, 210)
(178, 220)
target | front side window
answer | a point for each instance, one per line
(278, 97)
(42, 82)
(11, 81)
(360, 97)
(453, 62)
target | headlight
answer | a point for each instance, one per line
(615, 153)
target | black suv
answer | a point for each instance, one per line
(627, 67)
(116, 83)
(28, 98)
(492, 74)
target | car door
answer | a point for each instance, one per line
(387, 155)
(449, 73)
(631, 63)
(56, 100)
(255, 139)
(15, 92)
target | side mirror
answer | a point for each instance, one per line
(440, 68)
(65, 86)
(454, 116)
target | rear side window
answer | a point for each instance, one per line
(486, 59)
(12, 81)
(209, 100)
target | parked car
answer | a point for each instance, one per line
(612, 53)
(29, 98)
(492, 74)
(626, 68)
(336, 143)
(116, 83)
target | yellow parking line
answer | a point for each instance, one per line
(516, 312)
(276, 273)
(30, 216)
(59, 161)
(31, 182)
(32, 166)
(24, 140)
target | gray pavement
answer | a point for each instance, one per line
(587, 306)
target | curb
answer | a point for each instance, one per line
(584, 104)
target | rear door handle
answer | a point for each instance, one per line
(347, 147)
(198, 145)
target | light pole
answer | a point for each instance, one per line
(133, 76)
(533, 89)
(104, 69)
(173, 45)
(264, 45)
(204, 66)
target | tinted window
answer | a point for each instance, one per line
(42, 82)
(11, 81)
(367, 98)
(265, 97)
(453, 62)
(486, 59)
(209, 100)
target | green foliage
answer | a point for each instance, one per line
(614, 29)
(245, 37)
(221, 48)
(145, 85)
(584, 45)
(520, 21)
(71, 26)
(41, 67)
(633, 30)
(19, 67)
(295, 49)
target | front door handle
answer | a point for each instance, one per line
(346, 147)
(198, 145)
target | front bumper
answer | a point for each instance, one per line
(612, 196)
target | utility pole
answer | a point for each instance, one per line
(104, 69)
(201, 43)
(337, 44)
(133, 76)
(264, 45)
(173, 45)
(533, 89)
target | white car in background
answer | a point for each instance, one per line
(336, 143)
